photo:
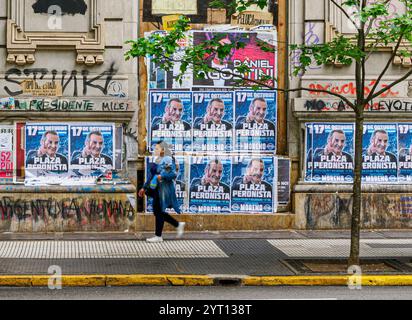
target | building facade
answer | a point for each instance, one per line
(64, 77)
(322, 189)
(203, 208)
(65, 85)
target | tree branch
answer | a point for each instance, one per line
(371, 50)
(240, 77)
(347, 101)
(369, 28)
(408, 74)
(345, 13)
(369, 98)
(362, 44)
(374, 19)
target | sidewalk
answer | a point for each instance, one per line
(207, 258)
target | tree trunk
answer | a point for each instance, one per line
(357, 190)
(360, 75)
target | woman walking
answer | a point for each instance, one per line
(160, 186)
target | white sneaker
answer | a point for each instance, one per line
(181, 229)
(155, 239)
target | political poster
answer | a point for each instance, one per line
(283, 181)
(308, 152)
(255, 121)
(256, 50)
(210, 179)
(92, 147)
(405, 152)
(254, 181)
(6, 153)
(47, 149)
(160, 78)
(332, 152)
(380, 152)
(213, 121)
(180, 185)
(171, 119)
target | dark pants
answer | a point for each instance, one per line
(161, 217)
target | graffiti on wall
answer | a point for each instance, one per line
(80, 82)
(349, 89)
(80, 211)
(71, 7)
(325, 105)
(406, 206)
(325, 211)
(65, 105)
(379, 210)
(313, 36)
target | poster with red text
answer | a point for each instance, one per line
(6, 153)
(256, 50)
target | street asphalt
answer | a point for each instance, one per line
(208, 293)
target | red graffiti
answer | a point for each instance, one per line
(350, 89)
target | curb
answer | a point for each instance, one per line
(203, 280)
(330, 280)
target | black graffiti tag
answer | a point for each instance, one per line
(71, 7)
(44, 209)
(67, 77)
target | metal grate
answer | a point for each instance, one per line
(312, 248)
(109, 249)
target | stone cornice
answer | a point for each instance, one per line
(22, 45)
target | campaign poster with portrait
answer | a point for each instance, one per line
(405, 152)
(333, 152)
(255, 121)
(171, 119)
(180, 185)
(160, 78)
(254, 185)
(210, 185)
(92, 146)
(380, 152)
(6, 153)
(47, 149)
(254, 49)
(213, 121)
(308, 152)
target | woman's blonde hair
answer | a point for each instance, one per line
(166, 148)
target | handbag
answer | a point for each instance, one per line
(149, 191)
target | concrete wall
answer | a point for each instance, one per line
(330, 208)
(39, 209)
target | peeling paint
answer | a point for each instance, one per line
(333, 211)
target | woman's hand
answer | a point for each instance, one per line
(159, 178)
(141, 193)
